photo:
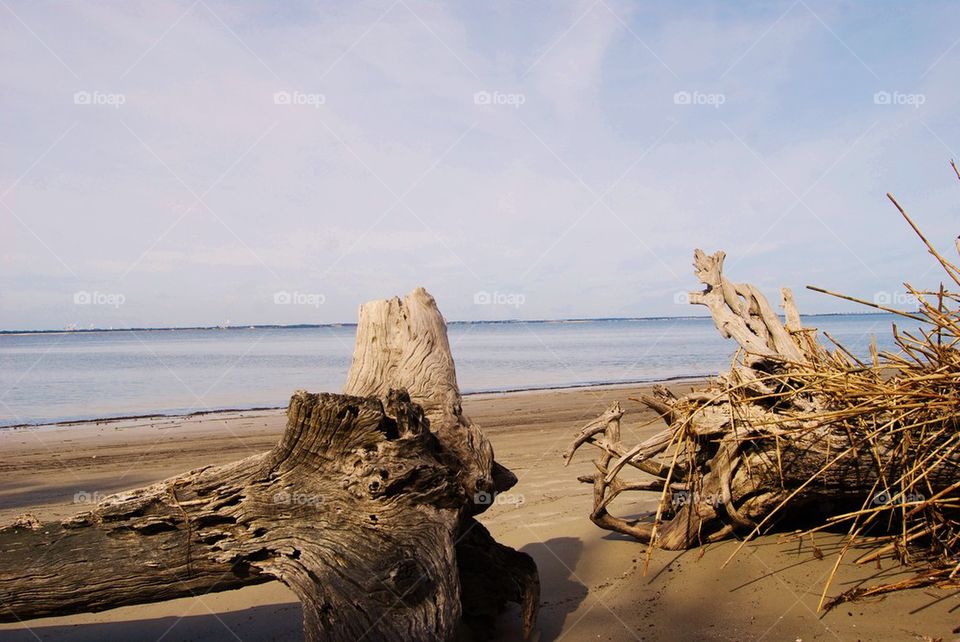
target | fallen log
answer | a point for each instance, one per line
(795, 429)
(365, 509)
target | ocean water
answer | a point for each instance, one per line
(71, 376)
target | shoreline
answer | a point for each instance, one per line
(593, 581)
(174, 415)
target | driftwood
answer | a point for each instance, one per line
(365, 509)
(775, 430)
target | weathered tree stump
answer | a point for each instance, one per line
(365, 509)
(790, 422)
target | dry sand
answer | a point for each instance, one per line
(594, 587)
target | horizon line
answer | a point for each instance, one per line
(297, 326)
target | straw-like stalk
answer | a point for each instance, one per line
(870, 445)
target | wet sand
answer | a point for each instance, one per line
(594, 587)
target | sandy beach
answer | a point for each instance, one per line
(538, 210)
(594, 587)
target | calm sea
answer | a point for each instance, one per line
(69, 376)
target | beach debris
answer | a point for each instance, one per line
(27, 520)
(365, 509)
(799, 428)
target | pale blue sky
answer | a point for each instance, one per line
(627, 134)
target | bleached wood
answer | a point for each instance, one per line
(738, 464)
(364, 509)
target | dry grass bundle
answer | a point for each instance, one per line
(870, 445)
(904, 406)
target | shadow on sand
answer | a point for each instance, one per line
(275, 622)
(560, 592)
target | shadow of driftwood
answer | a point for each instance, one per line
(560, 593)
(275, 622)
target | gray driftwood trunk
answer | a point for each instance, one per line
(365, 509)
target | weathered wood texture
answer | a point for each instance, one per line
(403, 345)
(760, 434)
(364, 509)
